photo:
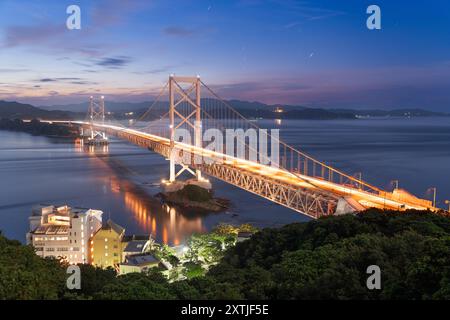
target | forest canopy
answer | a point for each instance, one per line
(322, 259)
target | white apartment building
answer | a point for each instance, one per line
(63, 232)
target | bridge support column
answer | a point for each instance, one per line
(198, 123)
(183, 95)
(96, 116)
(172, 175)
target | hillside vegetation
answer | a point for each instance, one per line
(16, 110)
(35, 127)
(323, 259)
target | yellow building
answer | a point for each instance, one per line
(106, 245)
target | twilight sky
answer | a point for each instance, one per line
(313, 53)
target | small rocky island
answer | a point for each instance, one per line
(191, 195)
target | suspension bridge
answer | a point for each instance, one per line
(274, 170)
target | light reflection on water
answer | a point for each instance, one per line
(121, 179)
(163, 222)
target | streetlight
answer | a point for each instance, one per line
(395, 183)
(359, 178)
(434, 195)
(448, 202)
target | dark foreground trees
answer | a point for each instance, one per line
(323, 259)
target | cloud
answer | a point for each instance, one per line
(84, 82)
(8, 70)
(56, 79)
(30, 35)
(108, 13)
(78, 81)
(178, 31)
(53, 39)
(384, 88)
(267, 91)
(46, 80)
(163, 69)
(113, 62)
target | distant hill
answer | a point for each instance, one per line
(110, 106)
(250, 110)
(16, 110)
(393, 113)
(135, 106)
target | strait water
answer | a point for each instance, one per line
(122, 179)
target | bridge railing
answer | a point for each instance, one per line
(219, 114)
(290, 159)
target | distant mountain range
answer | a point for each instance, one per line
(250, 110)
(16, 110)
(110, 106)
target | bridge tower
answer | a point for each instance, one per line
(192, 97)
(96, 115)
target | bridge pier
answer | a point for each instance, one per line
(196, 124)
(172, 174)
(96, 114)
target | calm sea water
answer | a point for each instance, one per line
(122, 179)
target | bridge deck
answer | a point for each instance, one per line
(314, 187)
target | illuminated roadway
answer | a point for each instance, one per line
(363, 198)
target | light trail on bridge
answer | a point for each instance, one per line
(298, 182)
(365, 199)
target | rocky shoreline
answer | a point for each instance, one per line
(195, 198)
(37, 128)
